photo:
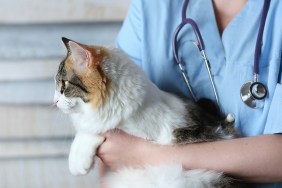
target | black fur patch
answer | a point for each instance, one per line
(205, 123)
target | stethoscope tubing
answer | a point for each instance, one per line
(259, 39)
(201, 46)
(254, 92)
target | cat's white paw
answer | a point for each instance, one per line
(82, 153)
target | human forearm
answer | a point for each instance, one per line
(255, 159)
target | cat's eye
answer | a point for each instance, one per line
(63, 87)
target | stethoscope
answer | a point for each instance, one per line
(253, 92)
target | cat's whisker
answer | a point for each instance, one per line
(51, 106)
(54, 105)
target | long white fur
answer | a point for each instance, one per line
(165, 176)
(137, 106)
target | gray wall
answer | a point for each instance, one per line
(35, 137)
(30, 53)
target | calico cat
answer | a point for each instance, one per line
(102, 89)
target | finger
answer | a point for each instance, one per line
(100, 150)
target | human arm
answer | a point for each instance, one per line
(254, 159)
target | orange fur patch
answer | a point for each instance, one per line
(94, 79)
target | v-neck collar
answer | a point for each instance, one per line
(237, 38)
(232, 33)
(234, 20)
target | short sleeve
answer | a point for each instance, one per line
(130, 36)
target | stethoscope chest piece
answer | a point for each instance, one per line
(253, 94)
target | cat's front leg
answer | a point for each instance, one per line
(82, 153)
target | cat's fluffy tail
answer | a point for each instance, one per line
(168, 176)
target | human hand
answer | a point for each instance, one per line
(123, 150)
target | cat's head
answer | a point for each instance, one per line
(80, 79)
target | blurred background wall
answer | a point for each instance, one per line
(34, 136)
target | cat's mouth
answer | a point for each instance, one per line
(66, 106)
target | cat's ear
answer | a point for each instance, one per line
(80, 56)
(78, 53)
(66, 43)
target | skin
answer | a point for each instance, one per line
(254, 159)
(241, 158)
(225, 12)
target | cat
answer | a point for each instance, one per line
(102, 89)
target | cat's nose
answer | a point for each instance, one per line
(55, 101)
(56, 98)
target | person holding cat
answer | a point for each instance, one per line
(229, 29)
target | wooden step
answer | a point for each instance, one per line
(33, 121)
(32, 163)
(43, 173)
(23, 43)
(33, 11)
(34, 148)
(28, 70)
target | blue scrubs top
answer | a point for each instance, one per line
(146, 36)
